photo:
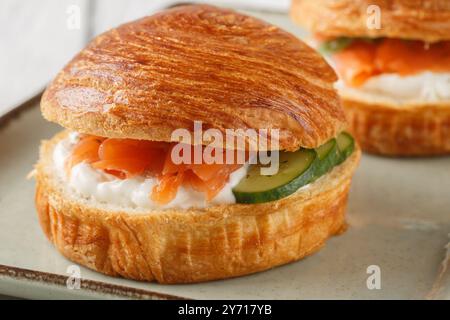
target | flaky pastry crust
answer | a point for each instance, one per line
(149, 77)
(426, 20)
(180, 246)
(416, 130)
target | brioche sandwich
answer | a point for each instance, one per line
(112, 196)
(393, 59)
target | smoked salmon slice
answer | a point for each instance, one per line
(125, 158)
(356, 63)
(363, 59)
(85, 150)
(124, 167)
(167, 188)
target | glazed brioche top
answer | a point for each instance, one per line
(426, 20)
(146, 78)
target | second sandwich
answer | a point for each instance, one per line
(393, 59)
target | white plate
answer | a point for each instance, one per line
(399, 217)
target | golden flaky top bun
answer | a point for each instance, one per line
(427, 20)
(146, 78)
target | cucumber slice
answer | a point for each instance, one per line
(346, 145)
(325, 149)
(328, 156)
(296, 169)
(332, 46)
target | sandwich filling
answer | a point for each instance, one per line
(396, 70)
(142, 174)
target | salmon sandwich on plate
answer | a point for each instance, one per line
(393, 59)
(200, 144)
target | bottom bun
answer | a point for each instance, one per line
(179, 246)
(399, 131)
